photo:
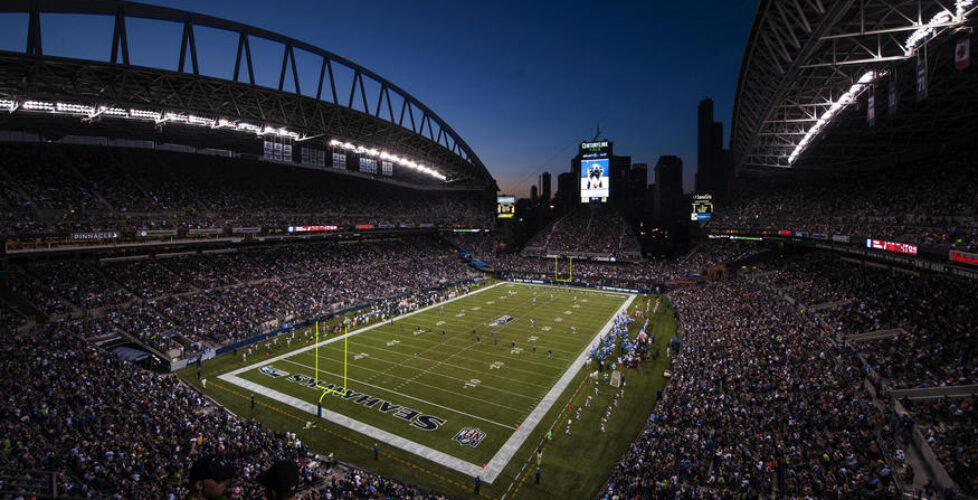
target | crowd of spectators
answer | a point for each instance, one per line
(951, 430)
(594, 231)
(626, 273)
(79, 283)
(940, 344)
(61, 189)
(713, 253)
(198, 300)
(43, 297)
(358, 483)
(929, 341)
(10, 320)
(108, 429)
(929, 203)
(940, 347)
(760, 403)
(481, 245)
(812, 280)
(147, 278)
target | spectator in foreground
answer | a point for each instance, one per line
(280, 480)
(209, 478)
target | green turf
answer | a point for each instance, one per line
(428, 372)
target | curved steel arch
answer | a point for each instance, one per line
(803, 56)
(413, 116)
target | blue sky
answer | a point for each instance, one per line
(521, 82)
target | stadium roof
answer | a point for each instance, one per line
(810, 66)
(350, 106)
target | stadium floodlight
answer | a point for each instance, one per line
(281, 132)
(248, 127)
(105, 110)
(175, 117)
(833, 110)
(942, 19)
(185, 118)
(199, 120)
(63, 107)
(384, 155)
(960, 6)
(925, 31)
(38, 106)
(145, 115)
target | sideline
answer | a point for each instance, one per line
(492, 469)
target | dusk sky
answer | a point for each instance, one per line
(521, 82)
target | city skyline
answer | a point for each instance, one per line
(522, 84)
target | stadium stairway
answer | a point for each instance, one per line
(19, 304)
(23, 483)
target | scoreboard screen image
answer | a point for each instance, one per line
(702, 207)
(505, 207)
(595, 171)
(594, 179)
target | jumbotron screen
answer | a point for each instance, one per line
(594, 171)
(505, 207)
(702, 207)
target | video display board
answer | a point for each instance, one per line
(892, 246)
(505, 207)
(702, 207)
(595, 171)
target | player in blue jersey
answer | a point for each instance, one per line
(594, 176)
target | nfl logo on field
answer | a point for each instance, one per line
(469, 436)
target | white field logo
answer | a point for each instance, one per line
(469, 436)
(272, 371)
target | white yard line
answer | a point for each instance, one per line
(355, 332)
(478, 372)
(502, 457)
(375, 433)
(494, 467)
(555, 330)
(407, 396)
(543, 365)
(399, 363)
(453, 410)
(432, 367)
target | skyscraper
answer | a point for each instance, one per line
(545, 187)
(668, 187)
(711, 158)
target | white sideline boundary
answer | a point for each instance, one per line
(513, 444)
(495, 466)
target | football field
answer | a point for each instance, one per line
(462, 383)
